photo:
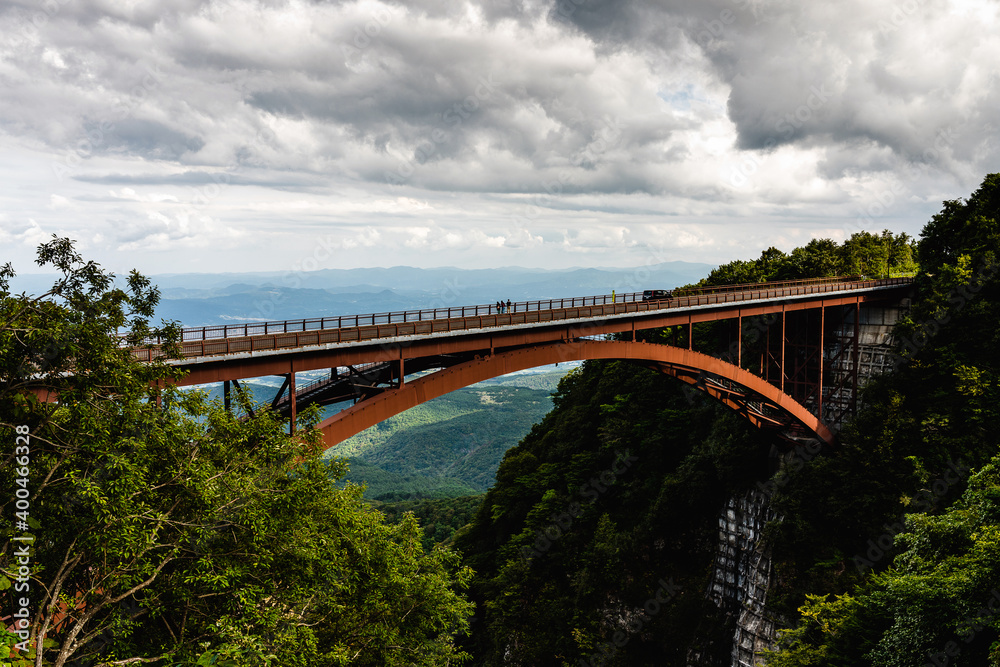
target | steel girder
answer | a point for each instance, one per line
(763, 404)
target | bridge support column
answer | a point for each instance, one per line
(739, 341)
(857, 357)
(781, 370)
(291, 399)
(225, 396)
(819, 389)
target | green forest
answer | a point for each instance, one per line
(161, 530)
(449, 446)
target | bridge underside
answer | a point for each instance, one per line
(758, 401)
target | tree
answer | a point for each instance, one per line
(864, 253)
(938, 604)
(171, 531)
(970, 228)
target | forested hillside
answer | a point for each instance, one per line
(597, 540)
(895, 539)
(451, 445)
(143, 525)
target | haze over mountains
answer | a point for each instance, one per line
(202, 299)
(211, 298)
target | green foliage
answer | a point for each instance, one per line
(864, 253)
(384, 486)
(178, 534)
(448, 446)
(967, 228)
(941, 597)
(617, 489)
(439, 518)
(923, 566)
(548, 598)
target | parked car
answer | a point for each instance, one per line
(656, 294)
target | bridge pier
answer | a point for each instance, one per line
(292, 401)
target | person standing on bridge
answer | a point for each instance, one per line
(508, 305)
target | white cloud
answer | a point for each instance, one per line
(489, 133)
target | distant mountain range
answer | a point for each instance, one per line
(201, 299)
(206, 299)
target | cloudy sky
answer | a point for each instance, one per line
(239, 135)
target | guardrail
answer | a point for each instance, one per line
(405, 316)
(358, 328)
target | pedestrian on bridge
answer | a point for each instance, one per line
(508, 305)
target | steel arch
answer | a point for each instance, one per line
(760, 402)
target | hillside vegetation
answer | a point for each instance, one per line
(451, 445)
(895, 540)
(596, 543)
(148, 526)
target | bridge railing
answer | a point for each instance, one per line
(405, 316)
(356, 328)
(743, 287)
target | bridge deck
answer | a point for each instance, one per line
(261, 339)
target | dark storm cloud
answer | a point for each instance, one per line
(824, 74)
(149, 139)
(494, 96)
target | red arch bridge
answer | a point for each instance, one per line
(798, 351)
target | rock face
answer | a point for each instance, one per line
(874, 356)
(741, 577)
